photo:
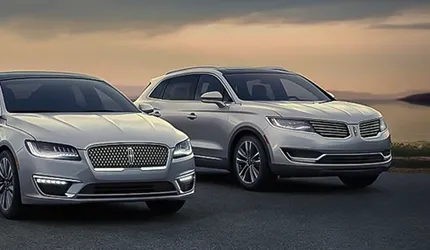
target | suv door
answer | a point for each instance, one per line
(176, 95)
(208, 125)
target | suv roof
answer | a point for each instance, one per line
(227, 70)
(35, 74)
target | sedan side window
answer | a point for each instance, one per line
(181, 88)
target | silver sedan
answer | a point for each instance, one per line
(67, 138)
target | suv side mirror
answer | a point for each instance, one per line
(213, 97)
(146, 108)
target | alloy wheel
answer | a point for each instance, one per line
(248, 162)
(6, 184)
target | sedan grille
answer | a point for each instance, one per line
(370, 128)
(128, 156)
(330, 129)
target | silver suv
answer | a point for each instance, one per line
(261, 123)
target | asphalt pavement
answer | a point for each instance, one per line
(295, 214)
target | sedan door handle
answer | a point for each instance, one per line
(192, 116)
(156, 113)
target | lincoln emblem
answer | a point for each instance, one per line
(354, 129)
(130, 156)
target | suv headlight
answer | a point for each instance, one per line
(297, 125)
(183, 149)
(52, 150)
(382, 125)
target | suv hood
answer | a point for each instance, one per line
(81, 130)
(342, 111)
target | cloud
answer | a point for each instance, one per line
(409, 26)
(48, 17)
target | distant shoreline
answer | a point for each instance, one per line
(418, 99)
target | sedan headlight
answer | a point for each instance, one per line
(182, 149)
(383, 125)
(53, 150)
(297, 125)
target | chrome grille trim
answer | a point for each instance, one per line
(370, 128)
(330, 129)
(114, 157)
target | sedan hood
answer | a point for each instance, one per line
(335, 110)
(82, 130)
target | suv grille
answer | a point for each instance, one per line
(370, 128)
(330, 129)
(351, 159)
(128, 156)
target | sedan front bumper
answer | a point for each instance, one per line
(49, 181)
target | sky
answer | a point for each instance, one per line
(379, 46)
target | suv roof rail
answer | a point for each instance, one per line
(276, 68)
(189, 68)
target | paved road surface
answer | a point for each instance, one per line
(297, 214)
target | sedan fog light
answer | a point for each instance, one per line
(186, 183)
(48, 181)
(53, 186)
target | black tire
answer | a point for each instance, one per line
(165, 206)
(265, 176)
(14, 211)
(358, 181)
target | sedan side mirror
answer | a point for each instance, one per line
(146, 108)
(213, 97)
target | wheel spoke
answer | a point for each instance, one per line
(251, 174)
(9, 175)
(243, 172)
(248, 148)
(9, 198)
(240, 160)
(255, 156)
(241, 153)
(10, 189)
(2, 171)
(3, 200)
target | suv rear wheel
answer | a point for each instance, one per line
(250, 164)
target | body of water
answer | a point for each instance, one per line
(407, 122)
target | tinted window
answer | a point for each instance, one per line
(208, 83)
(63, 95)
(274, 87)
(158, 91)
(181, 88)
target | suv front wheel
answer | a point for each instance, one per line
(250, 164)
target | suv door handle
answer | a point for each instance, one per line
(191, 116)
(156, 113)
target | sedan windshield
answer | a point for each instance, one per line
(274, 87)
(55, 95)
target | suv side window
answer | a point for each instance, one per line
(181, 88)
(208, 83)
(157, 93)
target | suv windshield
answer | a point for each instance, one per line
(274, 87)
(54, 95)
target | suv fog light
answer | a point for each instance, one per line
(186, 183)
